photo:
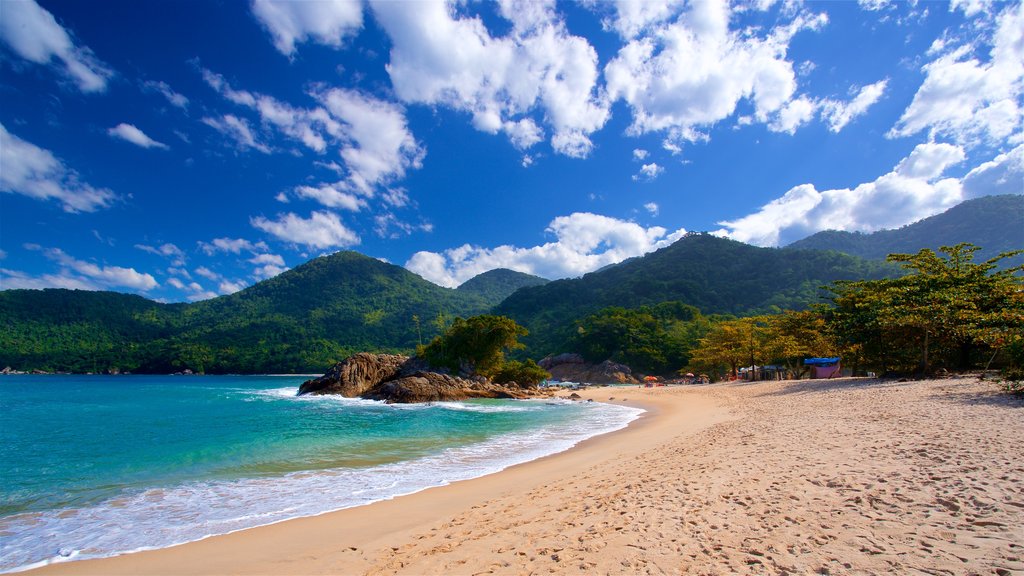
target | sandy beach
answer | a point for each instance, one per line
(848, 476)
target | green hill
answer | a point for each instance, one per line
(996, 223)
(496, 285)
(300, 321)
(716, 275)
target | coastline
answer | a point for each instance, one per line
(847, 476)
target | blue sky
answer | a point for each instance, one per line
(184, 150)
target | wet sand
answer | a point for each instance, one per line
(847, 476)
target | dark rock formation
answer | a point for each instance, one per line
(572, 368)
(356, 374)
(401, 379)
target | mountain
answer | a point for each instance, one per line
(717, 275)
(300, 321)
(995, 223)
(496, 285)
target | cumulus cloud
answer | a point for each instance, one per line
(34, 172)
(688, 73)
(232, 245)
(327, 22)
(652, 208)
(639, 154)
(378, 147)
(970, 101)
(321, 230)
(130, 133)
(34, 34)
(649, 172)
(193, 290)
(267, 266)
(583, 243)
(167, 92)
(439, 57)
(91, 276)
(913, 190)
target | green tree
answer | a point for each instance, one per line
(941, 314)
(525, 374)
(475, 345)
(732, 343)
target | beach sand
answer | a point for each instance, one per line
(848, 476)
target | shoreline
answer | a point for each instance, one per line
(430, 503)
(845, 477)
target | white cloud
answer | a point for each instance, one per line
(321, 230)
(132, 134)
(874, 5)
(268, 266)
(685, 75)
(207, 273)
(970, 101)
(792, 115)
(632, 18)
(95, 275)
(331, 197)
(34, 34)
(327, 22)
(639, 154)
(583, 243)
(166, 250)
(652, 208)
(34, 172)
(378, 146)
(237, 129)
(232, 245)
(913, 190)
(163, 88)
(231, 286)
(441, 58)
(839, 114)
(372, 135)
(649, 172)
(17, 280)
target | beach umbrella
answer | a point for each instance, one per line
(689, 374)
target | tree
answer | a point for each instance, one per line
(733, 343)
(525, 374)
(944, 311)
(474, 346)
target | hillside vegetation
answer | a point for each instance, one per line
(995, 223)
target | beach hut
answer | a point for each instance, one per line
(824, 367)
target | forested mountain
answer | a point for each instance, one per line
(716, 275)
(300, 321)
(996, 223)
(498, 284)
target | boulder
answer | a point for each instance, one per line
(356, 374)
(400, 379)
(572, 368)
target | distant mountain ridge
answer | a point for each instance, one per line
(717, 275)
(302, 320)
(498, 284)
(995, 223)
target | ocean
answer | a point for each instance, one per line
(95, 466)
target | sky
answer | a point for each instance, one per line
(187, 149)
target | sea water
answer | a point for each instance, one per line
(94, 466)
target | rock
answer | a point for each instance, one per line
(356, 374)
(560, 359)
(400, 379)
(574, 396)
(572, 368)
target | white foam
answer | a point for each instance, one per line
(158, 518)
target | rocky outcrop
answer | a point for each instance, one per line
(573, 368)
(356, 374)
(401, 379)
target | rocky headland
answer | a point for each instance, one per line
(401, 379)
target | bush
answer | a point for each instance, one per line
(525, 374)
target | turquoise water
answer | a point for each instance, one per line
(98, 465)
